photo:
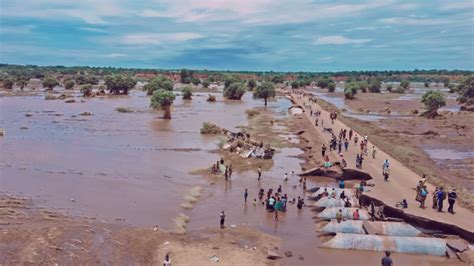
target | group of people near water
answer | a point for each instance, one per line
(439, 196)
(220, 167)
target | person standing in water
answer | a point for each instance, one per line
(259, 173)
(246, 194)
(222, 221)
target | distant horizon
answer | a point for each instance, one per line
(239, 70)
(241, 35)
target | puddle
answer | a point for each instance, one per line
(448, 154)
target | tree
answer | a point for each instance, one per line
(432, 101)
(158, 83)
(350, 90)
(229, 79)
(234, 91)
(162, 100)
(50, 82)
(295, 84)
(375, 85)
(195, 81)
(389, 87)
(405, 84)
(264, 91)
(86, 90)
(118, 84)
(8, 83)
(427, 85)
(251, 84)
(278, 79)
(323, 82)
(186, 76)
(22, 81)
(362, 86)
(206, 83)
(466, 90)
(331, 86)
(446, 82)
(86, 79)
(187, 92)
(69, 84)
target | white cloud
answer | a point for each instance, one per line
(338, 40)
(158, 38)
(91, 29)
(115, 55)
(360, 28)
(414, 21)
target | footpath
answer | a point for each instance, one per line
(402, 181)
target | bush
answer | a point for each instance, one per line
(124, 110)
(50, 82)
(205, 83)
(466, 90)
(118, 84)
(389, 87)
(252, 112)
(234, 91)
(375, 86)
(210, 128)
(158, 83)
(86, 90)
(211, 98)
(331, 86)
(187, 92)
(399, 89)
(8, 83)
(405, 84)
(350, 90)
(69, 84)
(433, 100)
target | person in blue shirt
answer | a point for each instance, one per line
(441, 197)
(341, 183)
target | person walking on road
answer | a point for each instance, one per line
(441, 198)
(259, 173)
(346, 144)
(452, 196)
(373, 152)
(435, 198)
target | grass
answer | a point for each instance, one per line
(192, 197)
(180, 223)
(210, 128)
(252, 112)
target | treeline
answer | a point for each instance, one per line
(189, 76)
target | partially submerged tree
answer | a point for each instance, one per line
(251, 84)
(162, 100)
(323, 82)
(446, 82)
(234, 91)
(8, 83)
(331, 86)
(86, 90)
(466, 90)
(375, 85)
(427, 85)
(295, 84)
(187, 92)
(69, 84)
(22, 81)
(405, 84)
(264, 91)
(350, 90)
(229, 79)
(158, 83)
(433, 100)
(118, 84)
(205, 83)
(50, 82)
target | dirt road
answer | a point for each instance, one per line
(402, 180)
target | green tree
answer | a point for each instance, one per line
(427, 85)
(206, 83)
(86, 90)
(466, 90)
(162, 100)
(118, 84)
(389, 87)
(350, 90)
(375, 85)
(8, 83)
(50, 82)
(432, 101)
(22, 81)
(187, 92)
(229, 79)
(186, 76)
(278, 79)
(405, 84)
(158, 83)
(264, 91)
(234, 91)
(295, 84)
(251, 84)
(331, 86)
(362, 85)
(86, 79)
(323, 82)
(69, 84)
(195, 81)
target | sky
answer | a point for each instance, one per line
(258, 35)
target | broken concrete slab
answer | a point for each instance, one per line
(271, 255)
(457, 245)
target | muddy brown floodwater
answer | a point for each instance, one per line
(133, 168)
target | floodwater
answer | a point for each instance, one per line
(135, 166)
(449, 154)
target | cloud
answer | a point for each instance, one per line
(158, 38)
(114, 55)
(91, 29)
(338, 40)
(414, 21)
(360, 28)
(454, 5)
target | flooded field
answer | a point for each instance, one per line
(134, 168)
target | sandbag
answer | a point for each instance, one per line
(331, 202)
(381, 228)
(330, 213)
(401, 244)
